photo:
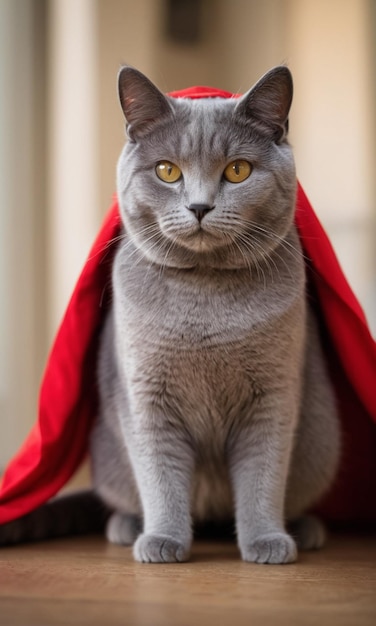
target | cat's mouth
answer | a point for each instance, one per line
(199, 238)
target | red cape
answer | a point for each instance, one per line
(58, 442)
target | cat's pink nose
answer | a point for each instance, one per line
(200, 210)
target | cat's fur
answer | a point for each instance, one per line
(215, 399)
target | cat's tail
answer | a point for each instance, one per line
(71, 514)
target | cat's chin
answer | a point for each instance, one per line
(200, 245)
(200, 241)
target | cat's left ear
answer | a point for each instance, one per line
(268, 103)
(142, 103)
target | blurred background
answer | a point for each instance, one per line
(61, 130)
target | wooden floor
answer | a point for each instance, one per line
(86, 581)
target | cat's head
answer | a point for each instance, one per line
(206, 180)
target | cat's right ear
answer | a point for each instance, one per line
(142, 103)
(268, 103)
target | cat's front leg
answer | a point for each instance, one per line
(259, 461)
(163, 464)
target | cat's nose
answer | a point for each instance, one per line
(200, 210)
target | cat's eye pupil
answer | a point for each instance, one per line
(237, 171)
(168, 172)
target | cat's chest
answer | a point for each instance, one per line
(202, 346)
(185, 309)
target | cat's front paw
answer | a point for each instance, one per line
(274, 547)
(159, 549)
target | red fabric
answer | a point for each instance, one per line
(67, 403)
(202, 92)
(58, 441)
(351, 354)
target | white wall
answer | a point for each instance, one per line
(22, 294)
(73, 147)
(330, 51)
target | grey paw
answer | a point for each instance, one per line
(275, 547)
(123, 529)
(309, 532)
(159, 549)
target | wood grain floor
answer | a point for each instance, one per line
(85, 581)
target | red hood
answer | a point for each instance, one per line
(58, 442)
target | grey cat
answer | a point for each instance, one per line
(215, 401)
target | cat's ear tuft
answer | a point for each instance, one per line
(142, 103)
(268, 102)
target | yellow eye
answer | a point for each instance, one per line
(168, 172)
(237, 171)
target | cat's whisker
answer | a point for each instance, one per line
(152, 234)
(253, 259)
(254, 242)
(250, 259)
(123, 235)
(270, 234)
(164, 262)
(157, 236)
(249, 256)
(269, 259)
(105, 250)
(282, 260)
(252, 262)
(130, 242)
(114, 240)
